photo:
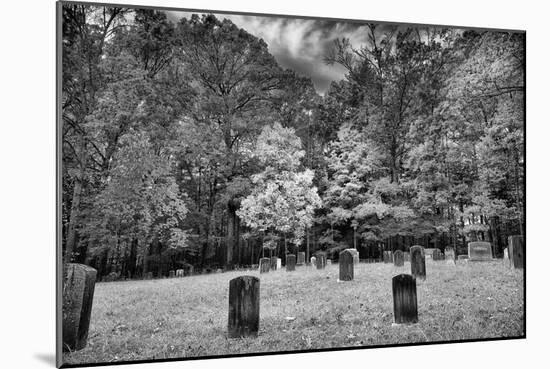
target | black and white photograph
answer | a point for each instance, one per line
(234, 184)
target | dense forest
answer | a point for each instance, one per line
(186, 144)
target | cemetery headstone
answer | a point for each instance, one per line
(290, 262)
(78, 295)
(264, 265)
(450, 255)
(405, 309)
(321, 261)
(244, 307)
(516, 251)
(428, 253)
(149, 275)
(179, 273)
(479, 251)
(437, 255)
(279, 263)
(329, 262)
(313, 261)
(346, 266)
(407, 256)
(301, 258)
(273, 263)
(506, 259)
(418, 262)
(355, 255)
(172, 274)
(398, 258)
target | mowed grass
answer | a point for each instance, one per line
(187, 317)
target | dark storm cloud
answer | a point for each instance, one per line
(299, 44)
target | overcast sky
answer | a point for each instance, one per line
(298, 44)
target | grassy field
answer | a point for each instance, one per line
(187, 317)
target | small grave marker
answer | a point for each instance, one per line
(171, 274)
(437, 255)
(405, 309)
(418, 262)
(450, 256)
(313, 261)
(149, 275)
(398, 258)
(346, 266)
(179, 273)
(329, 262)
(479, 251)
(355, 255)
(301, 258)
(516, 251)
(290, 262)
(273, 263)
(244, 307)
(264, 265)
(279, 263)
(78, 295)
(506, 259)
(321, 261)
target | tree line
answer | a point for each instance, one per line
(187, 144)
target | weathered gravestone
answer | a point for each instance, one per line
(516, 251)
(479, 251)
(388, 258)
(188, 269)
(321, 261)
(437, 255)
(405, 308)
(418, 262)
(398, 258)
(149, 275)
(78, 295)
(329, 262)
(428, 253)
(179, 273)
(264, 265)
(290, 262)
(450, 256)
(407, 256)
(506, 259)
(346, 266)
(313, 261)
(244, 307)
(171, 274)
(279, 263)
(301, 260)
(355, 255)
(273, 263)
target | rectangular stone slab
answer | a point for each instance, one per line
(78, 294)
(479, 251)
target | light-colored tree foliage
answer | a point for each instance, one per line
(283, 198)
